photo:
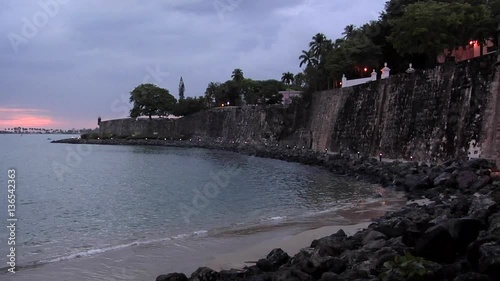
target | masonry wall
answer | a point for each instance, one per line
(432, 115)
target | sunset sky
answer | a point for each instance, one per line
(65, 62)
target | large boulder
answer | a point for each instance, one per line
(445, 179)
(373, 236)
(393, 227)
(334, 244)
(465, 179)
(172, 277)
(291, 274)
(463, 231)
(480, 164)
(276, 258)
(204, 274)
(481, 182)
(417, 182)
(481, 207)
(494, 224)
(489, 260)
(436, 245)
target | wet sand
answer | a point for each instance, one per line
(290, 244)
(224, 249)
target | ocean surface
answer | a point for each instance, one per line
(97, 212)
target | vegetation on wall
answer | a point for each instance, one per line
(414, 31)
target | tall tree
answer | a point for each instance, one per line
(287, 78)
(307, 59)
(149, 100)
(182, 88)
(211, 93)
(237, 75)
(430, 27)
(319, 46)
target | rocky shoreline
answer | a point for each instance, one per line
(456, 237)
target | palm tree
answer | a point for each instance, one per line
(319, 46)
(348, 30)
(287, 78)
(237, 75)
(307, 59)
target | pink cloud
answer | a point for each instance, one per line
(25, 117)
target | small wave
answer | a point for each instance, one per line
(276, 218)
(92, 252)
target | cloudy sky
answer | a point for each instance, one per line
(65, 62)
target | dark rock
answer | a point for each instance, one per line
(472, 276)
(481, 182)
(204, 274)
(238, 274)
(465, 179)
(291, 274)
(372, 236)
(460, 206)
(445, 179)
(411, 235)
(436, 245)
(489, 260)
(482, 206)
(354, 275)
(329, 276)
(172, 277)
(316, 266)
(333, 245)
(415, 182)
(355, 256)
(463, 231)
(393, 227)
(494, 224)
(275, 259)
(375, 244)
(473, 252)
(452, 167)
(480, 164)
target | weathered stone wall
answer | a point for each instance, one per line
(431, 115)
(238, 124)
(141, 126)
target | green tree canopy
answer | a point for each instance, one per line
(429, 27)
(189, 106)
(150, 100)
(237, 75)
(287, 78)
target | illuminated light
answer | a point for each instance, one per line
(366, 69)
(340, 83)
(471, 43)
(227, 103)
(222, 105)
